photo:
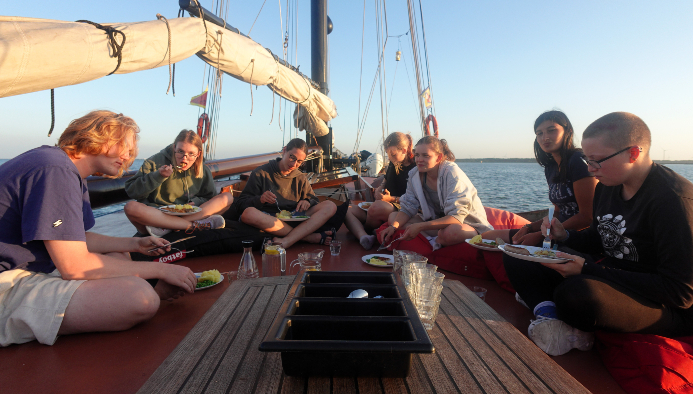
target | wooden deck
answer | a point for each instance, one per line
(477, 351)
(121, 362)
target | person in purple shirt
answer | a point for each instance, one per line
(56, 278)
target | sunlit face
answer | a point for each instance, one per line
(549, 135)
(291, 160)
(110, 162)
(185, 154)
(395, 154)
(613, 171)
(426, 158)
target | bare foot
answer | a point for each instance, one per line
(167, 291)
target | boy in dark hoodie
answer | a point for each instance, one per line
(280, 185)
(176, 175)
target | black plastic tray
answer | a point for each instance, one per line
(320, 332)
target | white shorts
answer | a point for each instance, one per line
(32, 305)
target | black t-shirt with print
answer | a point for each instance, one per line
(561, 194)
(647, 241)
(396, 183)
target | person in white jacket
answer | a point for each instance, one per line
(450, 206)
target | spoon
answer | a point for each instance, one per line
(358, 293)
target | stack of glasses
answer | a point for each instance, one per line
(423, 283)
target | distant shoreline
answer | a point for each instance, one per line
(532, 160)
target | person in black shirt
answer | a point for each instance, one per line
(633, 271)
(398, 147)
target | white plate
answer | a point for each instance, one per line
(482, 247)
(196, 210)
(198, 274)
(389, 257)
(294, 219)
(363, 206)
(531, 249)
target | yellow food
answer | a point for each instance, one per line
(545, 253)
(284, 215)
(379, 261)
(272, 249)
(476, 239)
(180, 208)
(212, 275)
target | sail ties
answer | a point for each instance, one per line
(170, 74)
(111, 32)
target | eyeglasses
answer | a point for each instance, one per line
(295, 159)
(597, 163)
(182, 154)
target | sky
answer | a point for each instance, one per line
(494, 67)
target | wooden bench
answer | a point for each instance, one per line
(477, 351)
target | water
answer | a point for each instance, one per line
(515, 187)
(521, 187)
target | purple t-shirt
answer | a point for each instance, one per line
(42, 197)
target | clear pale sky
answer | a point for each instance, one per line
(495, 66)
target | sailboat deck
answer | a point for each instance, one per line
(121, 362)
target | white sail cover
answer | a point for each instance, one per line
(248, 61)
(39, 54)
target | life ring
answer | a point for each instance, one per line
(431, 118)
(203, 127)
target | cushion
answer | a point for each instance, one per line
(504, 220)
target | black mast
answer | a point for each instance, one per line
(318, 72)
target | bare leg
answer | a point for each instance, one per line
(378, 214)
(455, 234)
(319, 215)
(269, 224)
(112, 304)
(493, 234)
(142, 215)
(354, 222)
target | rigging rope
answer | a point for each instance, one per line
(258, 15)
(52, 113)
(111, 33)
(170, 74)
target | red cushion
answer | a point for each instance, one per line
(648, 363)
(504, 220)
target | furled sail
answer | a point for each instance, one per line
(39, 54)
(246, 60)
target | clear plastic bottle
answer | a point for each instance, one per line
(248, 269)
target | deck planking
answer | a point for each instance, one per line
(477, 351)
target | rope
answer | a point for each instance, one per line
(358, 121)
(251, 86)
(258, 15)
(111, 32)
(52, 113)
(170, 74)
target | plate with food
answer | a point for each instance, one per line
(180, 209)
(485, 244)
(207, 279)
(287, 216)
(378, 260)
(365, 205)
(532, 253)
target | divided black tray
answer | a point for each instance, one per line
(320, 332)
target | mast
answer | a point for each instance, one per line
(319, 22)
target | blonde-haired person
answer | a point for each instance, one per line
(176, 175)
(398, 147)
(451, 208)
(56, 278)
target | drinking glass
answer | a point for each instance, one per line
(428, 311)
(335, 247)
(480, 291)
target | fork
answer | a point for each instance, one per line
(381, 247)
(547, 241)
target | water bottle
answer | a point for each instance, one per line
(248, 269)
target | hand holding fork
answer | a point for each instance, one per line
(546, 245)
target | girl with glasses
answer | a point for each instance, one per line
(175, 176)
(571, 187)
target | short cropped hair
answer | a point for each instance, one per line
(97, 132)
(192, 138)
(620, 130)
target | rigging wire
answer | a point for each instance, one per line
(381, 76)
(258, 15)
(358, 118)
(428, 67)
